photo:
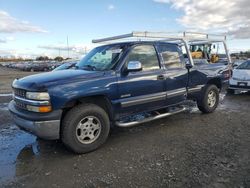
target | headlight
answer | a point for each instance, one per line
(37, 95)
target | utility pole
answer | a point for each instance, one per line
(68, 45)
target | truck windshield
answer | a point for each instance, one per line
(101, 58)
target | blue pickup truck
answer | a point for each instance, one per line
(109, 87)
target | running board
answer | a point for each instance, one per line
(133, 123)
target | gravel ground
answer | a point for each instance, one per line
(7, 75)
(185, 150)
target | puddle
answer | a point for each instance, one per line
(222, 97)
(235, 102)
(4, 106)
(22, 154)
(12, 141)
(223, 104)
(227, 107)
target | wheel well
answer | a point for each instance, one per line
(215, 81)
(99, 100)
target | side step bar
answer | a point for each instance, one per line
(133, 123)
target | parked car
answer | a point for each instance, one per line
(26, 66)
(112, 85)
(36, 66)
(238, 62)
(55, 64)
(241, 78)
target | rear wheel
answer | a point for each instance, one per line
(209, 99)
(85, 128)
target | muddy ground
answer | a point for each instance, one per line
(185, 150)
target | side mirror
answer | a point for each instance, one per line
(188, 65)
(235, 65)
(134, 66)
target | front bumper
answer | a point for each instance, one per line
(46, 126)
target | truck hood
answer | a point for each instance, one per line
(39, 82)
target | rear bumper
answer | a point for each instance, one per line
(236, 87)
(46, 126)
(239, 84)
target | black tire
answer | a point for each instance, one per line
(203, 102)
(72, 120)
(230, 91)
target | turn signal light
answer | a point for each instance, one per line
(42, 109)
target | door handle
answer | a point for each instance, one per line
(161, 77)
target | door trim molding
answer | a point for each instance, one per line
(176, 92)
(131, 101)
(195, 89)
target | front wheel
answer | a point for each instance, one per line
(209, 99)
(85, 128)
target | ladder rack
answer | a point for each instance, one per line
(164, 36)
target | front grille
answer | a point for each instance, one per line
(20, 104)
(22, 94)
(19, 92)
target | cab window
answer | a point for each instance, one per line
(145, 54)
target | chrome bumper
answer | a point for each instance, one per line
(49, 130)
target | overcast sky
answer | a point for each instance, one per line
(31, 27)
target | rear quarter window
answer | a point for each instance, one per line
(171, 56)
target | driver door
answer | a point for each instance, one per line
(142, 90)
